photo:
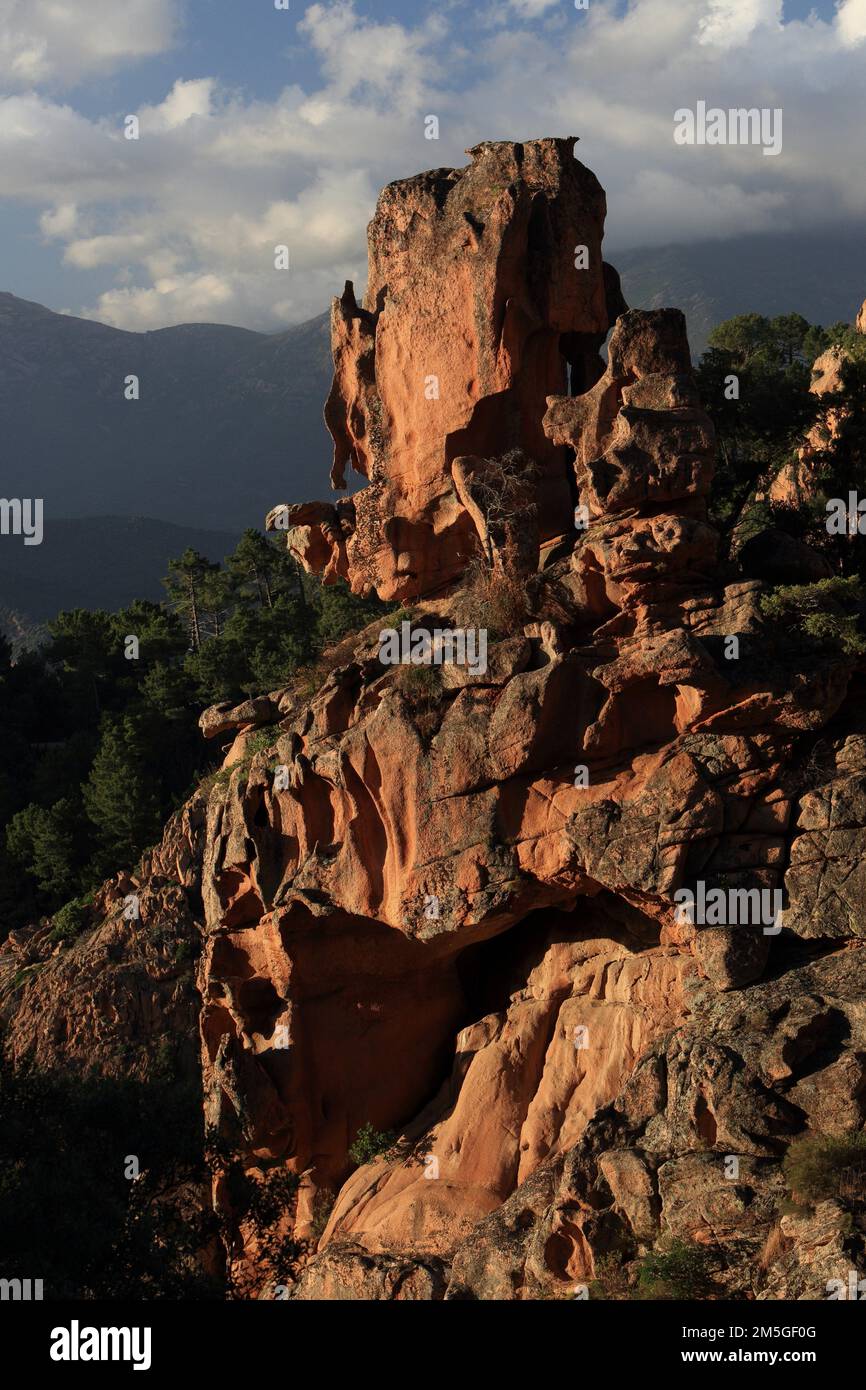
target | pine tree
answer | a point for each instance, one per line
(43, 843)
(83, 647)
(121, 795)
(185, 580)
(253, 566)
(216, 595)
(263, 569)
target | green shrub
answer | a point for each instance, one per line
(788, 1207)
(400, 615)
(185, 952)
(258, 742)
(310, 680)
(826, 1165)
(421, 685)
(217, 777)
(611, 1279)
(369, 1143)
(27, 972)
(820, 611)
(165, 1061)
(323, 1205)
(679, 1272)
(274, 1196)
(70, 920)
(269, 1202)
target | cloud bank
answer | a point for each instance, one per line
(52, 43)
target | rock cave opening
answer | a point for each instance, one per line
(493, 972)
(383, 1044)
(545, 1022)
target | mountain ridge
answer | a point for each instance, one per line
(767, 274)
(230, 418)
(213, 399)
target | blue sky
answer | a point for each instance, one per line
(235, 42)
(260, 126)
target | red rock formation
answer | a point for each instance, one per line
(481, 816)
(644, 454)
(474, 313)
(447, 911)
(797, 482)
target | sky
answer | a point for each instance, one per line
(262, 126)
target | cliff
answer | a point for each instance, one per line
(440, 905)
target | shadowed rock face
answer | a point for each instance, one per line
(448, 913)
(474, 313)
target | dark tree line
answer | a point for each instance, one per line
(100, 746)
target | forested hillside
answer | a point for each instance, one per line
(101, 732)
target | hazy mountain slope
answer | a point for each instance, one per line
(711, 281)
(93, 562)
(228, 421)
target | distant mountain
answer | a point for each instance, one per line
(93, 562)
(822, 277)
(228, 423)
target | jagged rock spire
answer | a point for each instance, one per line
(487, 292)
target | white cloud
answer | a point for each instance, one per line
(47, 41)
(730, 23)
(724, 208)
(172, 299)
(357, 53)
(90, 252)
(59, 222)
(184, 101)
(851, 21)
(182, 223)
(531, 9)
